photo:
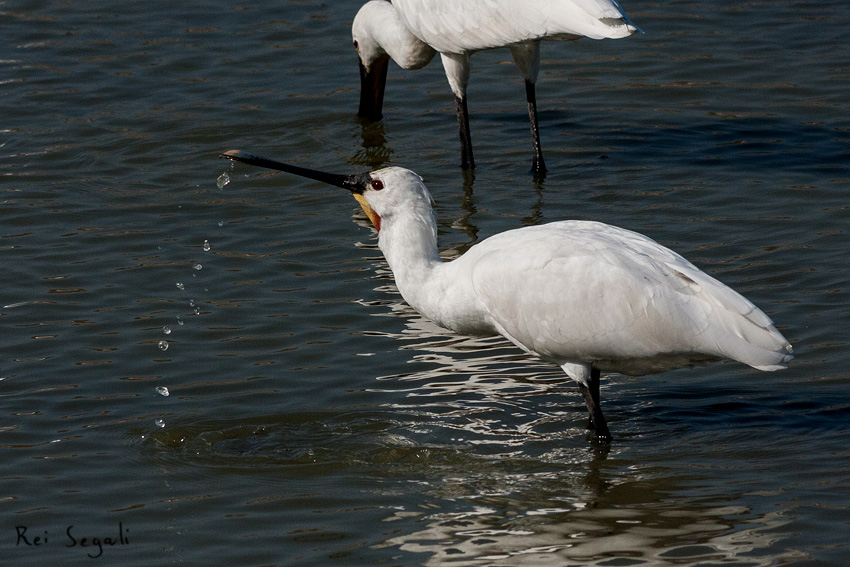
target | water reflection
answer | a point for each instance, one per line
(375, 153)
(482, 392)
(565, 506)
(463, 224)
(655, 532)
(459, 355)
(535, 216)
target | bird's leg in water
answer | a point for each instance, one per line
(466, 159)
(591, 399)
(537, 166)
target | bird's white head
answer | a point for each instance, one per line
(392, 192)
(364, 32)
(378, 35)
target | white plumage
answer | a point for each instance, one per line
(588, 293)
(411, 31)
(586, 296)
(457, 26)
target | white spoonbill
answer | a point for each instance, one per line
(411, 31)
(586, 296)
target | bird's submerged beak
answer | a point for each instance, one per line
(373, 81)
(356, 183)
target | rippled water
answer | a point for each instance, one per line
(312, 418)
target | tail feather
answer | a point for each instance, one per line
(753, 340)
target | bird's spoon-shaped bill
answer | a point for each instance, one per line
(260, 161)
(355, 183)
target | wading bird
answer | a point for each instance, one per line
(584, 295)
(410, 32)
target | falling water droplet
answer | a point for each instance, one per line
(222, 180)
(179, 320)
(180, 286)
(166, 330)
(162, 391)
(207, 246)
(198, 267)
(159, 423)
(163, 345)
(221, 223)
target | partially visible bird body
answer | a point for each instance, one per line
(584, 295)
(411, 31)
(459, 26)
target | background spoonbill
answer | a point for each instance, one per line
(411, 31)
(584, 295)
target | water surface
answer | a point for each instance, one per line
(312, 418)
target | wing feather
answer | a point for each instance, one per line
(584, 291)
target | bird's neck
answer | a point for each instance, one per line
(409, 243)
(441, 291)
(396, 40)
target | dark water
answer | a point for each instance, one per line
(313, 418)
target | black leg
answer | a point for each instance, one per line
(591, 399)
(466, 159)
(537, 165)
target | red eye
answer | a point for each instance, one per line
(377, 184)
